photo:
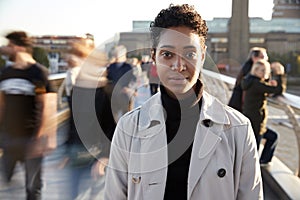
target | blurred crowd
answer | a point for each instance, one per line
(100, 87)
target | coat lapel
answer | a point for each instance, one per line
(204, 146)
(206, 138)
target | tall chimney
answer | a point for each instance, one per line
(239, 32)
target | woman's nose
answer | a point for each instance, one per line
(179, 64)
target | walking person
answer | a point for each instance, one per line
(120, 76)
(89, 139)
(182, 143)
(236, 100)
(22, 86)
(74, 64)
(256, 90)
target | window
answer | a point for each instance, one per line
(256, 40)
(219, 40)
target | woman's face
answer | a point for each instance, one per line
(262, 72)
(179, 58)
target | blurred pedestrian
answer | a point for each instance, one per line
(141, 85)
(120, 76)
(22, 86)
(136, 66)
(236, 100)
(256, 90)
(153, 78)
(74, 63)
(89, 139)
(182, 143)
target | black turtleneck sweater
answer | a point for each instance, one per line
(181, 121)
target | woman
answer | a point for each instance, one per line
(182, 143)
(256, 90)
(256, 53)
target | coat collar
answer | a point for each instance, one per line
(207, 137)
(152, 111)
(212, 109)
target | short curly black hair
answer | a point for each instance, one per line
(175, 16)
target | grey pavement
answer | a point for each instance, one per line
(57, 178)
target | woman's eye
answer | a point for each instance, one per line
(190, 55)
(167, 54)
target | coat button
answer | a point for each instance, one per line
(136, 180)
(207, 123)
(221, 172)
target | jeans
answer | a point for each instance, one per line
(33, 171)
(270, 145)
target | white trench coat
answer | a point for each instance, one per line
(224, 162)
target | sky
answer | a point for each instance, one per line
(102, 18)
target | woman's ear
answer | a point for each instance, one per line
(153, 51)
(203, 54)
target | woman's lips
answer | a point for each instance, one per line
(178, 79)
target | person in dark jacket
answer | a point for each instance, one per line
(120, 76)
(236, 97)
(256, 88)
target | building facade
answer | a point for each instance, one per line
(58, 46)
(280, 36)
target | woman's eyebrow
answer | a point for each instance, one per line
(189, 47)
(167, 46)
(173, 47)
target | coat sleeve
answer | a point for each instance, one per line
(250, 181)
(265, 88)
(117, 171)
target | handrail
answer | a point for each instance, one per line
(57, 76)
(289, 103)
